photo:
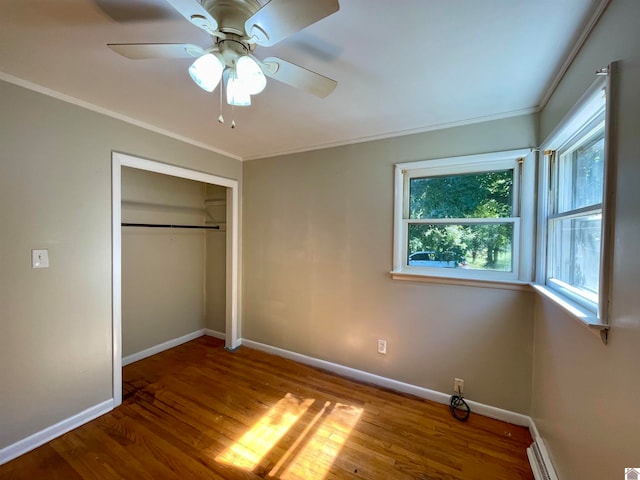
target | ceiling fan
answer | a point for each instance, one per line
(237, 27)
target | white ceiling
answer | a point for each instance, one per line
(402, 66)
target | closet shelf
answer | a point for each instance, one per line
(161, 206)
(216, 211)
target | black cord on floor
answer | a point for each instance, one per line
(459, 408)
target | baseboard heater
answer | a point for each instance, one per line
(540, 462)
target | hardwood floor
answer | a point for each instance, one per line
(200, 412)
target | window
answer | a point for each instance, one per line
(460, 217)
(574, 217)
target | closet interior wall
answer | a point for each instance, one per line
(173, 279)
(216, 266)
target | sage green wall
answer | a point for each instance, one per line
(586, 394)
(317, 246)
(55, 193)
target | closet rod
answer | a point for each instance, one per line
(155, 225)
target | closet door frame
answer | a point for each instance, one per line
(232, 322)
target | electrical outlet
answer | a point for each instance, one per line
(382, 347)
(458, 385)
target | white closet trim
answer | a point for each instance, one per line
(119, 160)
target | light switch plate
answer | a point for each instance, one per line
(40, 258)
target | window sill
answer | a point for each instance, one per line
(584, 316)
(467, 282)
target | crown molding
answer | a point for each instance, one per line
(587, 28)
(399, 133)
(110, 113)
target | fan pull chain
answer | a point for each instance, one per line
(220, 117)
(233, 110)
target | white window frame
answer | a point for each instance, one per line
(587, 300)
(523, 165)
(581, 118)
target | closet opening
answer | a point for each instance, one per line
(175, 246)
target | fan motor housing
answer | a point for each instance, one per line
(232, 14)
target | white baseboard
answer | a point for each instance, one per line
(147, 352)
(43, 436)
(439, 397)
(213, 333)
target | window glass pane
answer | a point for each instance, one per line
(581, 173)
(474, 247)
(476, 195)
(576, 255)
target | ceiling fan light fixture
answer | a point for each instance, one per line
(237, 94)
(250, 74)
(206, 71)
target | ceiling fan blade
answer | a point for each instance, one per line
(126, 11)
(193, 11)
(280, 18)
(299, 77)
(141, 51)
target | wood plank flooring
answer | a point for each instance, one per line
(200, 412)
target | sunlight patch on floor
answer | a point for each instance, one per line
(298, 442)
(247, 452)
(316, 457)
